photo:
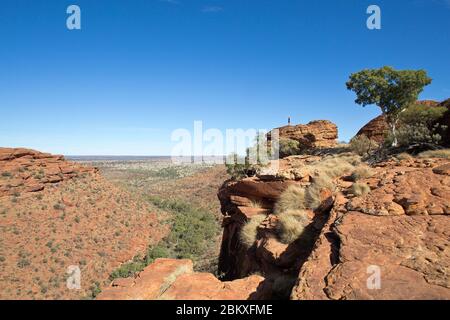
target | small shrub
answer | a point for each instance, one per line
(362, 145)
(418, 124)
(249, 231)
(240, 167)
(360, 189)
(157, 252)
(289, 147)
(95, 289)
(128, 269)
(23, 262)
(362, 172)
(291, 225)
(420, 133)
(6, 174)
(59, 206)
(444, 153)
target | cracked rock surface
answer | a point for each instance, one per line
(400, 231)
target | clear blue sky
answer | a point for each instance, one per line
(139, 69)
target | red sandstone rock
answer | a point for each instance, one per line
(25, 170)
(316, 134)
(171, 279)
(402, 227)
(375, 129)
(443, 169)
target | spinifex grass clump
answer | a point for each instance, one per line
(249, 231)
(290, 207)
(443, 153)
(360, 189)
(362, 172)
(291, 225)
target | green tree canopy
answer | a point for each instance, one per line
(392, 90)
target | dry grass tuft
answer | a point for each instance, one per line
(335, 166)
(324, 172)
(291, 225)
(312, 195)
(444, 154)
(360, 189)
(249, 231)
(293, 198)
(404, 156)
(256, 204)
(362, 172)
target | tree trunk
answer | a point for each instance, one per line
(393, 125)
(394, 134)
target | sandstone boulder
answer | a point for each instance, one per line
(375, 129)
(316, 134)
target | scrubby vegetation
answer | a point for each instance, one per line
(249, 231)
(289, 147)
(418, 124)
(190, 234)
(256, 157)
(362, 145)
(239, 170)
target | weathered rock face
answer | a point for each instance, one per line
(316, 134)
(171, 279)
(376, 128)
(241, 200)
(34, 170)
(401, 229)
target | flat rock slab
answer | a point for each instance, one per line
(173, 279)
(411, 253)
